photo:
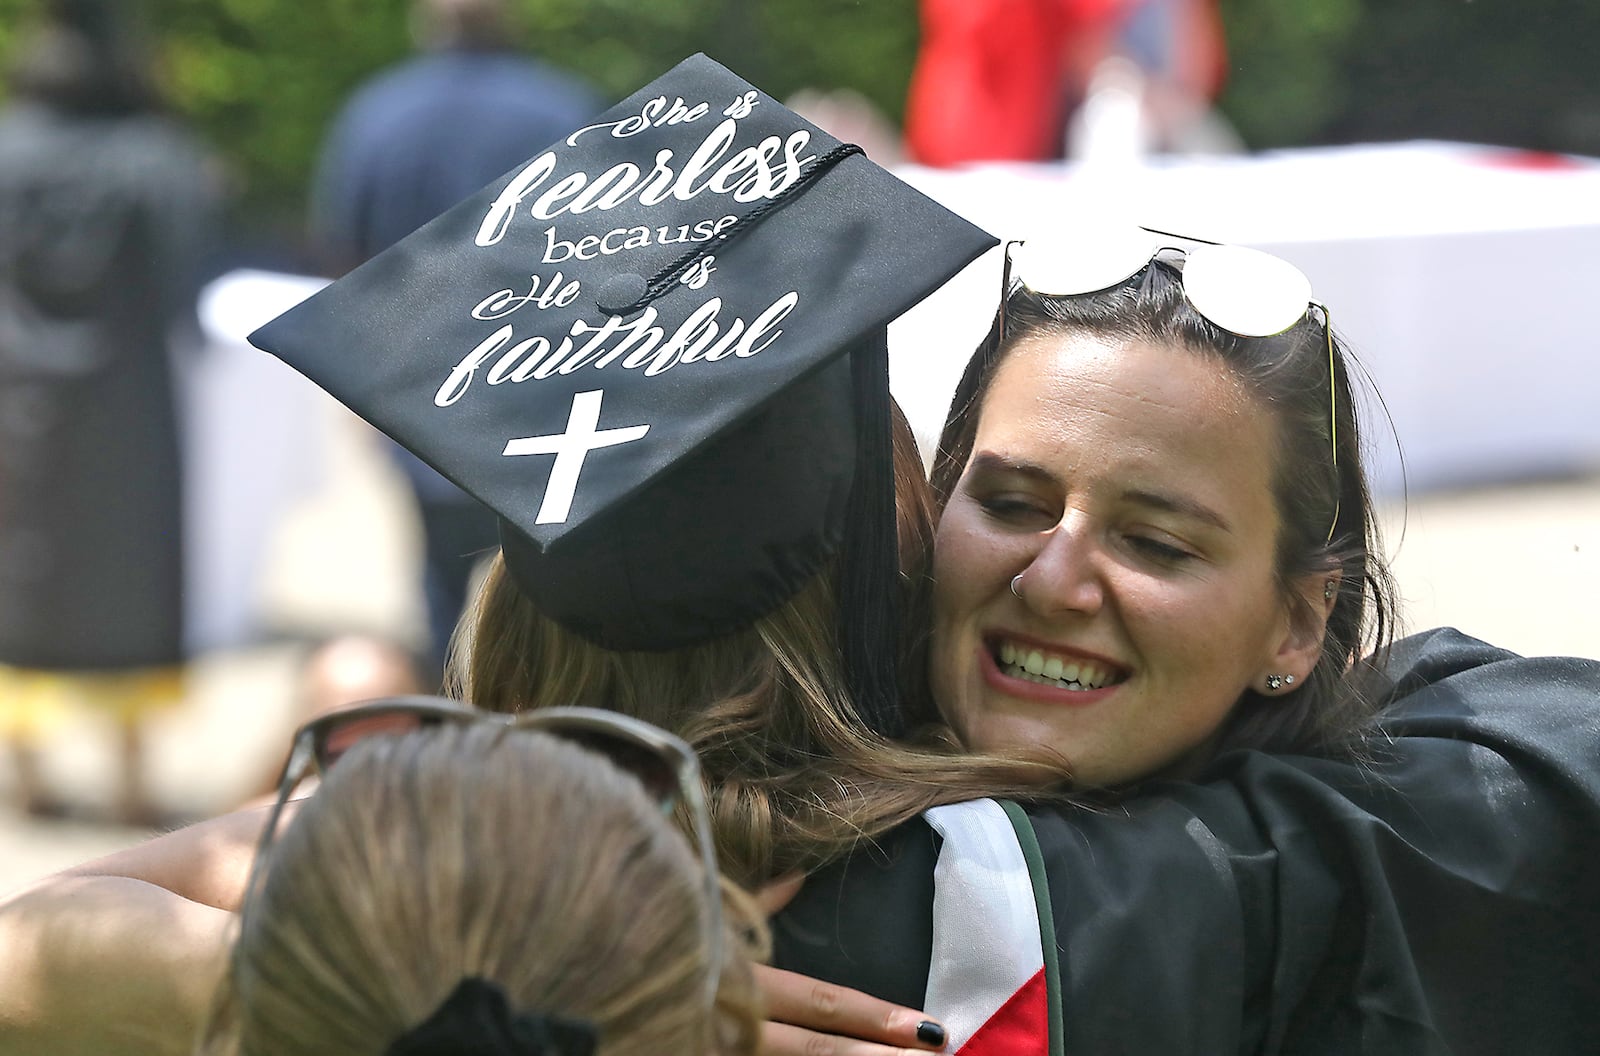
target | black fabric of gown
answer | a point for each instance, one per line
(1441, 898)
(102, 220)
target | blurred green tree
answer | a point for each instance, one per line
(260, 79)
(1486, 71)
(1286, 61)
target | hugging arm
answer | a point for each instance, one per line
(1293, 904)
(98, 964)
(207, 862)
(807, 1016)
(123, 953)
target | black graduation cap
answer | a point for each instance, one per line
(657, 351)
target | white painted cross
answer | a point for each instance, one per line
(570, 449)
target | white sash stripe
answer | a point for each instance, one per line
(985, 922)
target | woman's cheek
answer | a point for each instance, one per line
(961, 552)
(944, 678)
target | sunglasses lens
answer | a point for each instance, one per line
(1086, 260)
(1245, 291)
(339, 737)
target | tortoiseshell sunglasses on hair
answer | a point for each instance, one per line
(664, 764)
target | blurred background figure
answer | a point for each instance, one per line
(409, 144)
(106, 209)
(353, 668)
(1172, 56)
(344, 670)
(1035, 80)
(990, 76)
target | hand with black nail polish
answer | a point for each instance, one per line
(802, 1011)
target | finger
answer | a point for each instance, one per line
(823, 1008)
(783, 1039)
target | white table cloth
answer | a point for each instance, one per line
(1463, 277)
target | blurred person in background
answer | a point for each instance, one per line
(343, 670)
(1173, 56)
(408, 145)
(1003, 80)
(106, 207)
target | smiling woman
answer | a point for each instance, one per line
(1156, 557)
(1131, 486)
(1141, 498)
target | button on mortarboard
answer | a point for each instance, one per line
(666, 475)
(620, 292)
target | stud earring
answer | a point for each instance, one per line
(1277, 682)
(1327, 590)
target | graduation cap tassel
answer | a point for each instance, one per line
(869, 565)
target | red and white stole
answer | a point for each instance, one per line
(993, 981)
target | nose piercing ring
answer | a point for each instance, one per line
(1014, 581)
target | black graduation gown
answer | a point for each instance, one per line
(1440, 898)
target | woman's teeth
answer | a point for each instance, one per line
(1034, 665)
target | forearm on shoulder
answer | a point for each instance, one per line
(97, 964)
(207, 863)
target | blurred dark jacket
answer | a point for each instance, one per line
(103, 218)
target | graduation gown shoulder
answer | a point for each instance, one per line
(1436, 897)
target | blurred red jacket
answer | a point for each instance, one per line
(995, 79)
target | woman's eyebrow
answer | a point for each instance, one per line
(989, 462)
(1181, 505)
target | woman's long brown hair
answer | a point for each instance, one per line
(794, 778)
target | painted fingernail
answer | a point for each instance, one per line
(930, 1033)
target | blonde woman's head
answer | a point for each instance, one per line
(476, 852)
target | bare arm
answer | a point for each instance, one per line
(122, 954)
(99, 964)
(208, 862)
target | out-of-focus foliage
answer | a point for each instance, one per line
(260, 79)
(1285, 69)
(1491, 71)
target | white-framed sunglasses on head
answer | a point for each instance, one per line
(1246, 292)
(663, 763)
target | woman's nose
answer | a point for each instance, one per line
(1066, 575)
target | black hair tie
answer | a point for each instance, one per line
(477, 1020)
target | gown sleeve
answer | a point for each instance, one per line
(866, 922)
(1434, 898)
